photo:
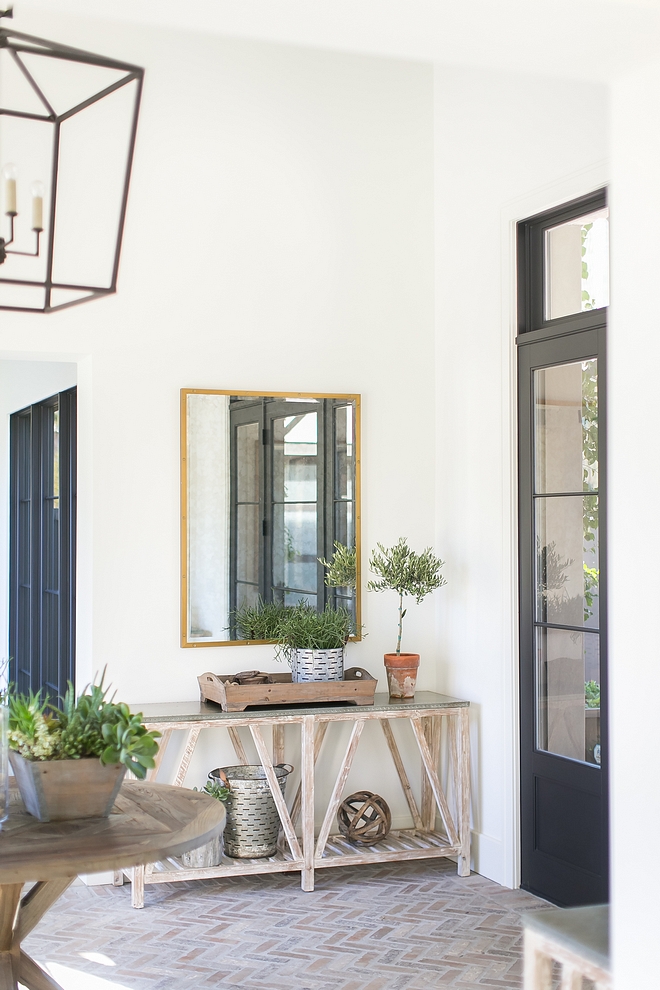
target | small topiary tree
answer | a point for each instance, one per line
(342, 569)
(408, 573)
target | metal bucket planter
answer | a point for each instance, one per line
(253, 823)
(317, 665)
(210, 854)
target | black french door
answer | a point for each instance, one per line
(562, 504)
(292, 488)
(42, 578)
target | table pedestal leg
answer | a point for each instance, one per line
(17, 919)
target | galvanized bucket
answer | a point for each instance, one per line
(253, 823)
(210, 854)
(317, 665)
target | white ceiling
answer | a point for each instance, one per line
(585, 39)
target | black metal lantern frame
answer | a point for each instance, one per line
(33, 276)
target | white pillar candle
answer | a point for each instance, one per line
(37, 206)
(9, 175)
(10, 196)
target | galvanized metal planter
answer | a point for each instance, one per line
(60, 790)
(210, 854)
(317, 665)
(253, 823)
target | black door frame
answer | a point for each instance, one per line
(39, 659)
(543, 343)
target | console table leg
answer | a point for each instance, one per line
(307, 794)
(463, 788)
(137, 887)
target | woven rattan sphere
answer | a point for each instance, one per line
(364, 818)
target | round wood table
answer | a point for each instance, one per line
(148, 822)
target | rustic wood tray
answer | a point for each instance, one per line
(358, 687)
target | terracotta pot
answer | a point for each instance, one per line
(401, 674)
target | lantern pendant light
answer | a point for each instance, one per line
(68, 122)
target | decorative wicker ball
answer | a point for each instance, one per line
(364, 818)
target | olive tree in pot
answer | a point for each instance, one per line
(413, 575)
(313, 642)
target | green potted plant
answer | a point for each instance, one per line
(413, 575)
(259, 621)
(70, 762)
(342, 569)
(313, 642)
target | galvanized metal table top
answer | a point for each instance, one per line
(204, 711)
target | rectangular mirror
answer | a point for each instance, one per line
(269, 483)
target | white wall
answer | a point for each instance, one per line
(506, 147)
(21, 384)
(279, 237)
(634, 545)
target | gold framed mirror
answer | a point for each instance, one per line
(269, 484)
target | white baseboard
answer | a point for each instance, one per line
(96, 879)
(488, 858)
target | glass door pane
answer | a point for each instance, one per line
(567, 561)
(295, 507)
(577, 265)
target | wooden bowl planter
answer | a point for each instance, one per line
(60, 790)
(70, 762)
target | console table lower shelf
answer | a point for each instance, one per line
(439, 829)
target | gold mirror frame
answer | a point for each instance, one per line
(186, 640)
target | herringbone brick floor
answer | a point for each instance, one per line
(402, 926)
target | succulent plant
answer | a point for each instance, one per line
(90, 726)
(217, 791)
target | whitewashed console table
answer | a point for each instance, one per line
(441, 827)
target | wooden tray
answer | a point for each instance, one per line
(358, 687)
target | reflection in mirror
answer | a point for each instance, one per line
(269, 485)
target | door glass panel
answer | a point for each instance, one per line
(294, 458)
(566, 427)
(248, 524)
(577, 270)
(568, 679)
(567, 560)
(248, 448)
(294, 547)
(567, 568)
(295, 508)
(344, 449)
